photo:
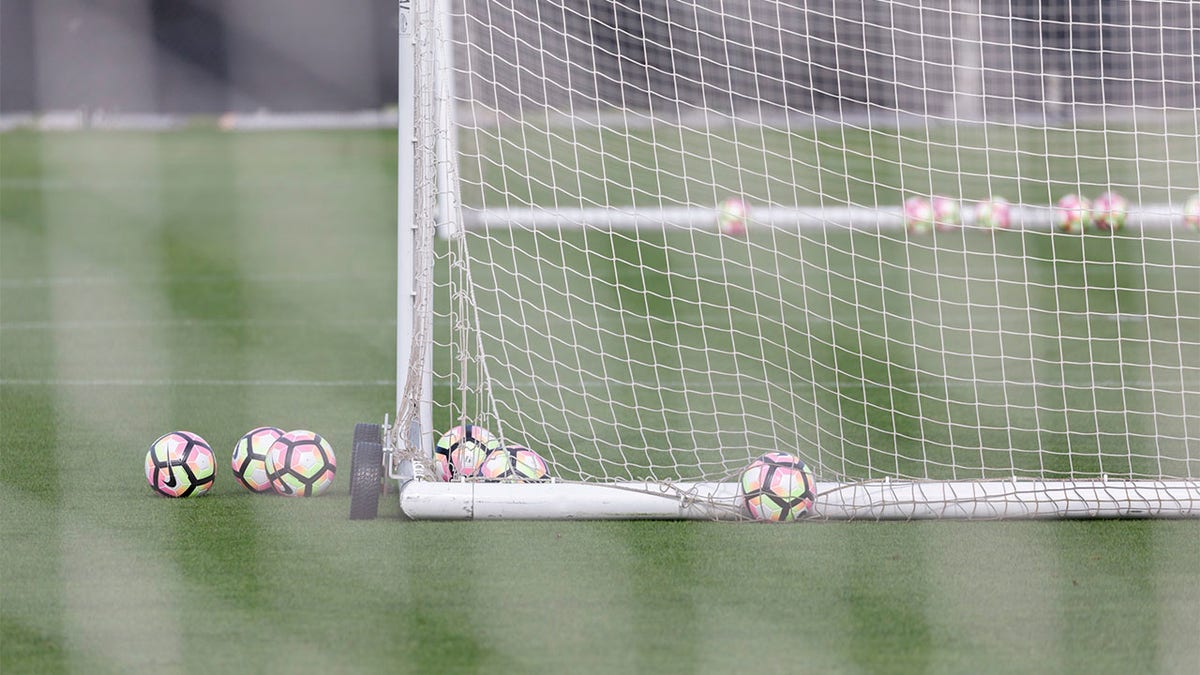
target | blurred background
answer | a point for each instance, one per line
(196, 56)
(966, 59)
(216, 282)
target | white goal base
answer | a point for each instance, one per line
(876, 500)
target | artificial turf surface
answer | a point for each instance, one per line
(215, 282)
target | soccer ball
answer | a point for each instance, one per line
(1191, 213)
(731, 216)
(993, 213)
(513, 463)
(1073, 213)
(180, 464)
(300, 464)
(918, 214)
(250, 458)
(461, 451)
(946, 213)
(778, 487)
(1109, 211)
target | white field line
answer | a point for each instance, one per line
(108, 184)
(197, 382)
(115, 280)
(90, 324)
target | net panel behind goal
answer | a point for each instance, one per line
(586, 304)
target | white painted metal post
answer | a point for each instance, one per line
(447, 144)
(447, 183)
(406, 226)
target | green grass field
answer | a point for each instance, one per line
(216, 282)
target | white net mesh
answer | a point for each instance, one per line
(588, 306)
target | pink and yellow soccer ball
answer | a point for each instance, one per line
(946, 213)
(778, 487)
(1109, 211)
(1191, 212)
(994, 213)
(180, 464)
(462, 450)
(1073, 213)
(918, 215)
(513, 463)
(731, 216)
(301, 464)
(250, 458)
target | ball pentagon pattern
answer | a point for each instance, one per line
(250, 458)
(301, 464)
(461, 450)
(778, 487)
(180, 464)
(515, 463)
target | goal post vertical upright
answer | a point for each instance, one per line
(445, 159)
(405, 191)
(447, 146)
(414, 211)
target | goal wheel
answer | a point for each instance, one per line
(366, 472)
(364, 432)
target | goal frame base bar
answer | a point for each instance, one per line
(872, 500)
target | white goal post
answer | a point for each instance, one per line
(563, 280)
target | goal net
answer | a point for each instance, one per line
(577, 288)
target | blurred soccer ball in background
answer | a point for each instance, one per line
(1191, 212)
(731, 216)
(1109, 211)
(946, 213)
(1073, 213)
(994, 213)
(918, 214)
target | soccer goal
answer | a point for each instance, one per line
(942, 251)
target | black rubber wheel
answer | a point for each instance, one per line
(366, 474)
(363, 433)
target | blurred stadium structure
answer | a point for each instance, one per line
(196, 56)
(947, 58)
(958, 59)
